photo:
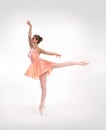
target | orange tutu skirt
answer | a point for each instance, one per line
(36, 69)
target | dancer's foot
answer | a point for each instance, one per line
(41, 108)
(83, 63)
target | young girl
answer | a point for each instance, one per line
(40, 68)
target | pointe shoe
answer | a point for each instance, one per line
(41, 108)
(83, 63)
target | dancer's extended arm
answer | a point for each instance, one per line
(50, 53)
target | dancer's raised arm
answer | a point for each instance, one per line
(30, 32)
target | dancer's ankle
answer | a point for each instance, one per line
(41, 104)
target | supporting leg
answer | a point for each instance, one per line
(43, 79)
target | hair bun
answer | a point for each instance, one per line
(41, 39)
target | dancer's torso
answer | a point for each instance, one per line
(34, 55)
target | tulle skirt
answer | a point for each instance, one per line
(36, 69)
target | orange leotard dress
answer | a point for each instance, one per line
(38, 66)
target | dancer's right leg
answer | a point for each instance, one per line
(43, 79)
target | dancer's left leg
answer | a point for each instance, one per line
(69, 63)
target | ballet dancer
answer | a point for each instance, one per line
(40, 68)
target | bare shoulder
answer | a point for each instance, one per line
(40, 50)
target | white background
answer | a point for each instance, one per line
(75, 95)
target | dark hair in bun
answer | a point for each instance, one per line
(39, 38)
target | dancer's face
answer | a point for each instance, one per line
(34, 40)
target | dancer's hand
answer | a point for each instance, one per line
(58, 55)
(29, 23)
